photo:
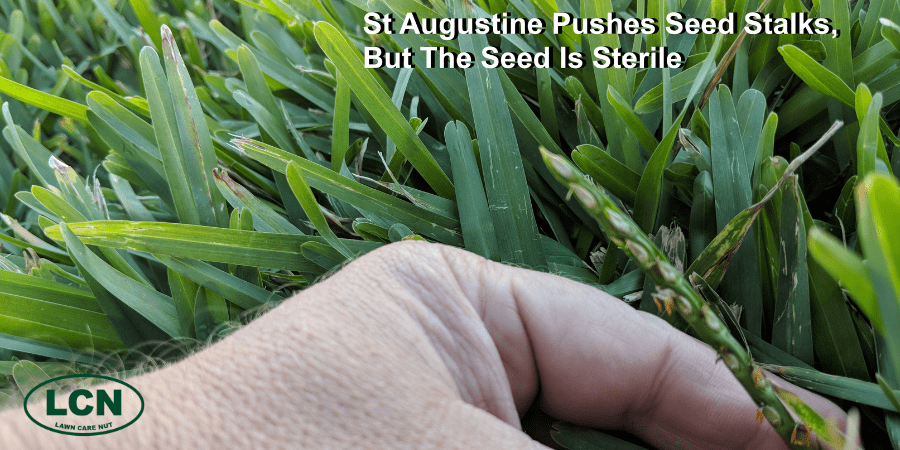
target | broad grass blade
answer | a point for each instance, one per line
(476, 224)
(43, 100)
(198, 155)
(37, 307)
(265, 218)
(245, 248)
(304, 194)
(846, 266)
(507, 191)
(376, 100)
(816, 75)
(845, 388)
(419, 219)
(608, 172)
(240, 292)
(792, 329)
(731, 185)
(158, 309)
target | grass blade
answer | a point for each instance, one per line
(477, 227)
(507, 190)
(825, 430)
(43, 100)
(839, 387)
(341, 126)
(377, 101)
(583, 438)
(608, 172)
(165, 127)
(816, 75)
(731, 185)
(792, 330)
(877, 199)
(301, 190)
(644, 136)
(196, 145)
(419, 219)
(849, 269)
(238, 247)
(240, 292)
(264, 217)
(155, 307)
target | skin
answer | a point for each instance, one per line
(419, 345)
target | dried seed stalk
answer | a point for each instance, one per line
(675, 290)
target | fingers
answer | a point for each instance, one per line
(601, 363)
(509, 336)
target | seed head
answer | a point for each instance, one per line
(585, 197)
(801, 434)
(618, 222)
(731, 361)
(560, 166)
(758, 377)
(664, 299)
(638, 252)
(772, 416)
(684, 306)
(667, 271)
(712, 321)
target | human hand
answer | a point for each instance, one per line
(420, 345)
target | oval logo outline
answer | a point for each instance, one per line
(75, 433)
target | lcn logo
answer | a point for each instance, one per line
(84, 412)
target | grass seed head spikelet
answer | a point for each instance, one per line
(559, 165)
(731, 361)
(667, 271)
(586, 198)
(637, 252)
(772, 416)
(712, 321)
(684, 306)
(618, 221)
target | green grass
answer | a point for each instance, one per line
(165, 167)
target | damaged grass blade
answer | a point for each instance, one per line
(714, 260)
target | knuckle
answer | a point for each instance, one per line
(404, 258)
